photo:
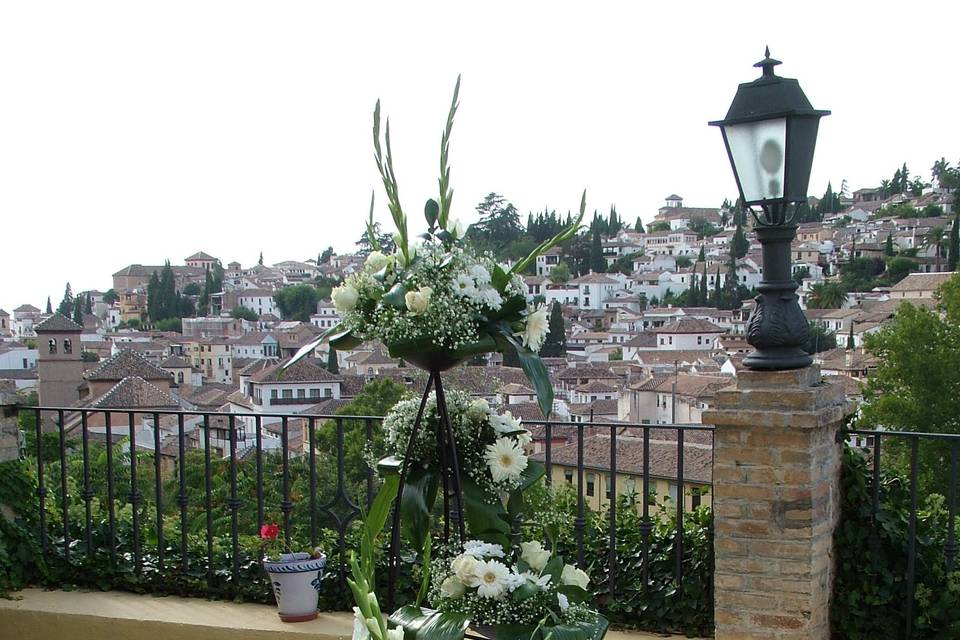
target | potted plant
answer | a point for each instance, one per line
(294, 576)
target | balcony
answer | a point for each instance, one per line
(183, 522)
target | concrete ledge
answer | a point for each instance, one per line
(56, 615)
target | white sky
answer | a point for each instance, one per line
(134, 132)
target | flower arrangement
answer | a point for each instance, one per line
(530, 592)
(490, 444)
(439, 297)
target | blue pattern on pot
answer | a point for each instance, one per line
(296, 580)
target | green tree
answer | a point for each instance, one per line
(297, 302)
(702, 256)
(934, 238)
(739, 243)
(898, 268)
(241, 312)
(78, 310)
(638, 226)
(192, 289)
(953, 252)
(555, 345)
(659, 225)
(888, 246)
(325, 256)
(917, 355)
(88, 304)
(799, 274)
(731, 289)
(850, 342)
(560, 273)
(683, 262)
(703, 228)
(498, 226)
(820, 339)
(169, 305)
(703, 296)
(49, 306)
(830, 202)
(717, 300)
(597, 262)
(333, 362)
(110, 296)
(66, 305)
(204, 301)
(826, 295)
(859, 274)
(260, 261)
(693, 293)
(154, 303)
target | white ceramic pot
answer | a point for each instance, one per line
(296, 584)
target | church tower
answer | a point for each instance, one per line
(59, 365)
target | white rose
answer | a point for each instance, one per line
(452, 588)
(417, 301)
(534, 555)
(395, 634)
(345, 298)
(376, 261)
(464, 566)
(574, 576)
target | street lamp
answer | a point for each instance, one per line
(770, 133)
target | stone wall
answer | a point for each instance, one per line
(9, 432)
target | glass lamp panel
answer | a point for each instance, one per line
(758, 150)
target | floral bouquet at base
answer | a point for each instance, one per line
(439, 302)
(530, 597)
(491, 457)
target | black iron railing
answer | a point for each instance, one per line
(895, 456)
(315, 488)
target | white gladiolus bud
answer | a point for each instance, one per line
(395, 634)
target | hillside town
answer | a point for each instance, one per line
(644, 331)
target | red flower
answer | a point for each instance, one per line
(269, 531)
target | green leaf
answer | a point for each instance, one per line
(531, 364)
(395, 297)
(419, 495)
(534, 471)
(499, 278)
(554, 569)
(426, 624)
(345, 341)
(430, 211)
(574, 593)
(308, 348)
(484, 520)
(511, 307)
(526, 590)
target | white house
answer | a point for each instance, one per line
(326, 316)
(14, 355)
(687, 334)
(547, 261)
(259, 300)
(597, 287)
(292, 390)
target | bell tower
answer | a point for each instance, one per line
(60, 366)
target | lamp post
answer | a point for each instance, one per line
(770, 133)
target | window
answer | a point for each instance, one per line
(670, 338)
(52, 345)
(67, 346)
(327, 392)
(609, 487)
(699, 339)
(663, 341)
(301, 393)
(287, 393)
(568, 476)
(25, 363)
(590, 484)
(673, 490)
(179, 377)
(314, 393)
(695, 497)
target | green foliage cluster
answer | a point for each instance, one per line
(164, 302)
(870, 587)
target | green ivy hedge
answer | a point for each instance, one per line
(870, 588)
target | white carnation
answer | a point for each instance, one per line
(535, 331)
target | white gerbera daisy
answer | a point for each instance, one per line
(506, 459)
(505, 423)
(491, 579)
(463, 285)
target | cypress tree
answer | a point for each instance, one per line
(78, 310)
(167, 307)
(154, 303)
(739, 244)
(850, 344)
(731, 286)
(888, 245)
(66, 305)
(49, 306)
(704, 298)
(693, 293)
(260, 261)
(953, 252)
(717, 293)
(702, 257)
(333, 363)
(638, 227)
(597, 262)
(555, 345)
(89, 304)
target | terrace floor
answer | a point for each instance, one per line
(53, 615)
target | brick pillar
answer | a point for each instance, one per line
(9, 432)
(776, 489)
